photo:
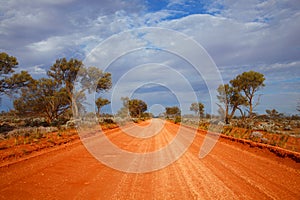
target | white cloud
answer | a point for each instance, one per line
(37, 70)
(293, 66)
(152, 19)
(175, 2)
(240, 35)
(233, 42)
(49, 45)
(255, 10)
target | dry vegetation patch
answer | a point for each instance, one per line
(18, 146)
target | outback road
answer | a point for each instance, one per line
(230, 171)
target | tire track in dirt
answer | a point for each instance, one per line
(128, 186)
(228, 172)
(256, 176)
(128, 182)
(200, 180)
(168, 174)
(264, 177)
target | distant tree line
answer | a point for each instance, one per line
(53, 97)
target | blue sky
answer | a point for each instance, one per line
(239, 36)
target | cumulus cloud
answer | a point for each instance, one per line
(57, 25)
(240, 36)
(233, 42)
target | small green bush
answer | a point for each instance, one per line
(177, 119)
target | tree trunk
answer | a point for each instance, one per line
(74, 108)
(98, 111)
(250, 108)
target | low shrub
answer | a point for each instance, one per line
(256, 136)
(177, 120)
(108, 121)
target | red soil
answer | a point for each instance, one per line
(232, 170)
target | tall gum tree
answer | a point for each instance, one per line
(249, 83)
(198, 108)
(66, 72)
(230, 100)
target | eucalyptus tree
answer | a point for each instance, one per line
(100, 102)
(43, 98)
(9, 80)
(198, 108)
(249, 83)
(67, 73)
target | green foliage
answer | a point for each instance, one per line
(147, 115)
(273, 114)
(198, 108)
(231, 100)
(240, 92)
(177, 119)
(44, 98)
(136, 107)
(249, 83)
(7, 63)
(133, 107)
(17, 81)
(64, 73)
(172, 112)
(93, 78)
(54, 96)
(100, 102)
(10, 82)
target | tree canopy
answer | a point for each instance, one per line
(100, 102)
(198, 108)
(273, 113)
(136, 107)
(66, 73)
(133, 107)
(239, 93)
(43, 98)
(230, 100)
(53, 96)
(93, 78)
(173, 111)
(10, 81)
(7, 64)
(249, 83)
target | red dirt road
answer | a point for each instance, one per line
(230, 171)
